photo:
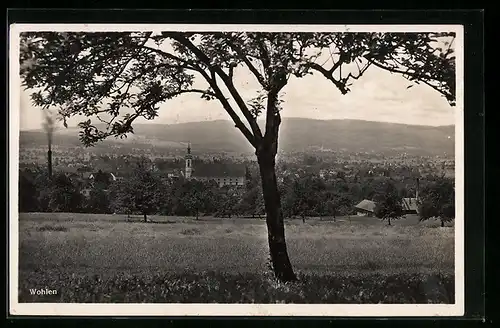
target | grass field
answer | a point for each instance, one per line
(109, 258)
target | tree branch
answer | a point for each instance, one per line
(250, 66)
(171, 56)
(329, 75)
(225, 78)
(264, 56)
(177, 93)
(229, 109)
(361, 71)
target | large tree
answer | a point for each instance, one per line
(94, 74)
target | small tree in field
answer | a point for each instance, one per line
(64, 194)
(251, 201)
(121, 197)
(141, 191)
(98, 200)
(227, 200)
(331, 206)
(437, 200)
(192, 197)
(388, 203)
(127, 75)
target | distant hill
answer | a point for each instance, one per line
(297, 134)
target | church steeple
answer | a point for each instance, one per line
(189, 161)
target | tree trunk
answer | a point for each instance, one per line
(442, 224)
(389, 219)
(145, 217)
(274, 218)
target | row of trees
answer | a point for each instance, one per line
(143, 192)
(311, 196)
(146, 192)
(437, 200)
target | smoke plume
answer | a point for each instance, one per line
(49, 125)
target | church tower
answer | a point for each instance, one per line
(189, 162)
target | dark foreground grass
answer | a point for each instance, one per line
(215, 287)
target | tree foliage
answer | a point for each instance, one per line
(312, 196)
(62, 194)
(99, 200)
(102, 179)
(227, 202)
(197, 197)
(251, 201)
(437, 200)
(388, 202)
(140, 192)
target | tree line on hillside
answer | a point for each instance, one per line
(147, 192)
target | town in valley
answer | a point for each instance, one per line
(352, 173)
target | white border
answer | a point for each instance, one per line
(334, 310)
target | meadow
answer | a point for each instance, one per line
(112, 258)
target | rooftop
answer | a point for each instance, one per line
(410, 204)
(366, 205)
(219, 170)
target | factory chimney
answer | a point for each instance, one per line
(48, 126)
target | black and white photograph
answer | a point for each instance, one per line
(260, 170)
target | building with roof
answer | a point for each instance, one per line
(93, 175)
(225, 174)
(365, 208)
(410, 205)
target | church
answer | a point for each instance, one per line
(223, 173)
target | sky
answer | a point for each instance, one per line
(377, 96)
